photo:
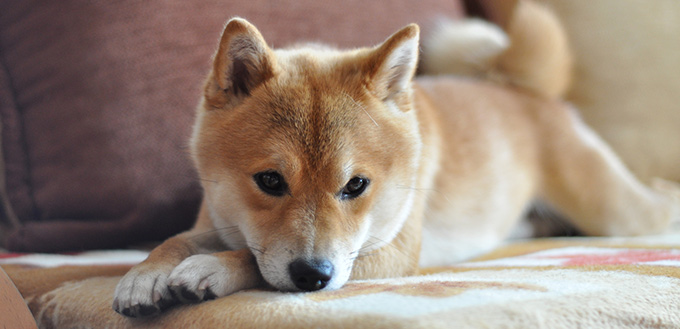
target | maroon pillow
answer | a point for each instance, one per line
(97, 100)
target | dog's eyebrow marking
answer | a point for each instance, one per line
(362, 108)
(348, 171)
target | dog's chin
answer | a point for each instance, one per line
(290, 287)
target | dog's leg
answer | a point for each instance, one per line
(182, 270)
(144, 291)
(185, 262)
(396, 259)
(586, 181)
(208, 276)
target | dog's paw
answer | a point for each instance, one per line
(143, 291)
(202, 277)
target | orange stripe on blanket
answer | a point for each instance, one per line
(434, 288)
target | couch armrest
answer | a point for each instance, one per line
(15, 313)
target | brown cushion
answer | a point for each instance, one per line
(97, 100)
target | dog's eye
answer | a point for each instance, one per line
(271, 182)
(354, 188)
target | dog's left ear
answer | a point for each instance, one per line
(243, 62)
(392, 64)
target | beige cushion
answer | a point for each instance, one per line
(627, 77)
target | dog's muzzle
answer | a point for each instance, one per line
(310, 275)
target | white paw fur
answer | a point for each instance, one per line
(201, 277)
(143, 291)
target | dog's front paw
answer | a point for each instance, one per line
(143, 291)
(202, 277)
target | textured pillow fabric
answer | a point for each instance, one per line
(97, 101)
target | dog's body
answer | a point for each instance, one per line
(320, 166)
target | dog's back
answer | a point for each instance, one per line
(507, 141)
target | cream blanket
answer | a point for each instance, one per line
(552, 283)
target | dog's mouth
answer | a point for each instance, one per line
(295, 263)
(302, 274)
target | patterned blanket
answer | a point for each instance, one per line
(549, 283)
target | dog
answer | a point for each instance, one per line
(321, 166)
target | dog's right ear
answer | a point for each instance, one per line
(243, 62)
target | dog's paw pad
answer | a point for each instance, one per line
(125, 311)
(186, 295)
(209, 295)
(148, 310)
(136, 311)
(190, 295)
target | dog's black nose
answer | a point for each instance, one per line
(310, 275)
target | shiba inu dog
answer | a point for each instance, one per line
(320, 166)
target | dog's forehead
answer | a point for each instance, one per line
(316, 114)
(316, 119)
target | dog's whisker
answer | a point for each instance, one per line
(362, 108)
(256, 248)
(229, 231)
(399, 249)
(371, 253)
(424, 190)
(207, 180)
(369, 245)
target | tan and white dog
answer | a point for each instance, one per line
(320, 166)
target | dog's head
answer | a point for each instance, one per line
(308, 156)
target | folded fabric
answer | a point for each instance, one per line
(550, 283)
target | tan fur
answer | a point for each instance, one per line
(532, 53)
(452, 165)
(539, 58)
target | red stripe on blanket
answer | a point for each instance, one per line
(625, 257)
(12, 255)
(20, 254)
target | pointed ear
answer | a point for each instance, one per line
(243, 61)
(392, 64)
